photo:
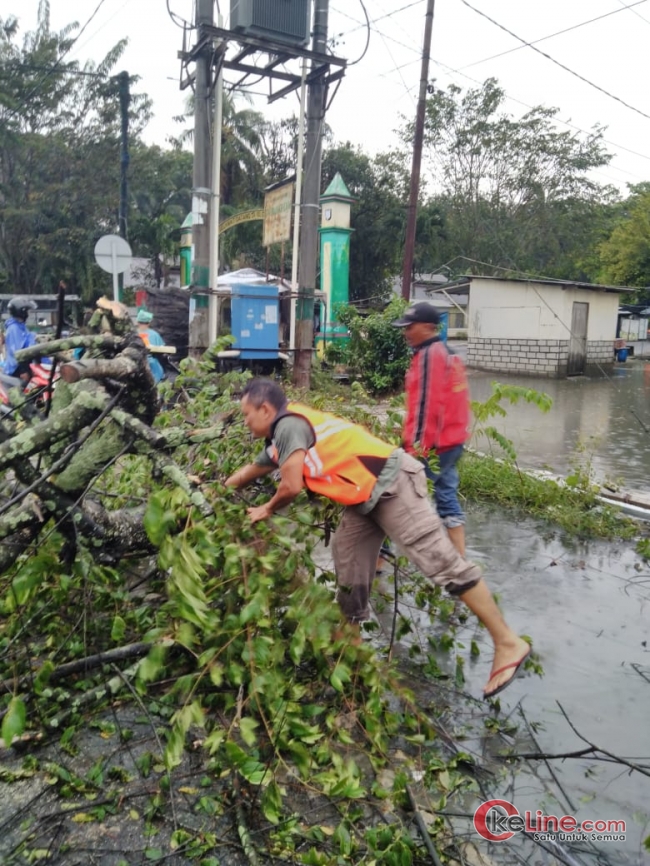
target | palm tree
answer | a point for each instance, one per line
(241, 149)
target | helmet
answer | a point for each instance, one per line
(19, 308)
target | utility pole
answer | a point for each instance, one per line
(125, 101)
(124, 91)
(201, 181)
(409, 244)
(310, 207)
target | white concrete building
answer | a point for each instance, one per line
(538, 327)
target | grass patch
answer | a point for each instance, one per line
(577, 510)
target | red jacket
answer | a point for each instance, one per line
(437, 400)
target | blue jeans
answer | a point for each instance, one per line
(445, 486)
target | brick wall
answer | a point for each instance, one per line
(546, 358)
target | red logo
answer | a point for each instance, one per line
(497, 820)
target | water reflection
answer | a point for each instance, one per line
(605, 421)
(585, 605)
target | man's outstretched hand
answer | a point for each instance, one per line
(259, 512)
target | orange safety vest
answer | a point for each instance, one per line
(345, 460)
(144, 336)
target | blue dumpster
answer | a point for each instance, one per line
(621, 354)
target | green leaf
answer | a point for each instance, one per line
(459, 677)
(158, 520)
(118, 630)
(247, 729)
(13, 723)
(42, 677)
(272, 803)
(340, 675)
(214, 740)
(153, 854)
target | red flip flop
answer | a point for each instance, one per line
(517, 667)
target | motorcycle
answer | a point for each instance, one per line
(35, 389)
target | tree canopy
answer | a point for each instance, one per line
(500, 194)
(514, 194)
(625, 254)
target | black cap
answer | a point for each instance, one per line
(422, 312)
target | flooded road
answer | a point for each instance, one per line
(587, 609)
(604, 422)
(586, 606)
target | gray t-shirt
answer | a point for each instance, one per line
(291, 434)
(295, 434)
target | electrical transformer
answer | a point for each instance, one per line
(281, 20)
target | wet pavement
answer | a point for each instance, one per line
(586, 607)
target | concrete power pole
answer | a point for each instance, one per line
(202, 181)
(310, 208)
(409, 244)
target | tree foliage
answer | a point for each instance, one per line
(160, 199)
(59, 156)
(376, 353)
(514, 193)
(625, 253)
(378, 215)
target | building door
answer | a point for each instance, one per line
(578, 343)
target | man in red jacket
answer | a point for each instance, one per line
(437, 412)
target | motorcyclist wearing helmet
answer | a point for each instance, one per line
(18, 336)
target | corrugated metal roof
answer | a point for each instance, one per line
(462, 283)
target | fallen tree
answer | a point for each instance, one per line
(173, 681)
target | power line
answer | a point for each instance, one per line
(365, 50)
(385, 35)
(406, 87)
(530, 107)
(56, 67)
(552, 35)
(556, 62)
(559, 120)
(105, 24)
(186, 25)
(512, 98)
(375, 20)
(49, 69)
(638, 14)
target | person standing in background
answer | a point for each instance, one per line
(150, 337)
(437, 412)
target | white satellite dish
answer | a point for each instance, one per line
(113, 254)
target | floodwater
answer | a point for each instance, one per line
(586, 606)
(603, 423)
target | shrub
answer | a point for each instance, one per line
(377, 353)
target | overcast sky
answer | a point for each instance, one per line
(610, 54)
